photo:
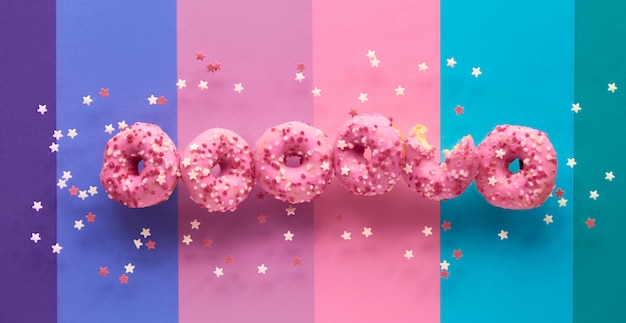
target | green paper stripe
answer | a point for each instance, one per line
(599, 252)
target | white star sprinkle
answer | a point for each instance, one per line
(78, 225)
(288, 236)
(58, 134)
(609, 176)
(42, 109)
(67, 175)
(594, 195)
(219, 272)
(109, 128)
(612, 87)
(261, 269)
(367, 232)
(341, 144)
(399, 90)
(82, 194)
(62, 184)
(72, 133)
(503, 234)
(152, 100)
(363, 97)
(291, 210)
(187, 239)
(451, 62)
(422, 67)
(122, 124)
(325, 166)
(238, 87)
(548, 219)
(129, 268)
(408, 254)
(87, 100)
(571, 162)
(374, 62)
(181, 83)
(138, 243)
(427, 231)
(195, 224)
(35, 237)
(54, 147)
(562, 202)
(444, 265)
(300, 76)
(576, 107)
(346, 235)
(93, 190)
(408, 169)
(371, 54)
(56, 248)
(345, 170)
(37, 206)
(193, 146)
(492, 180)
(316, 91)
(145, 232)
(203, 85)
(476, 71)
(500, 153)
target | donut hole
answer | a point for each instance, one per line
(515, 165)
(293, 161)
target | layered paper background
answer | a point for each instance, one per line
(78, 67)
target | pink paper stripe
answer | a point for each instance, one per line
(369, 279)
(259, 44)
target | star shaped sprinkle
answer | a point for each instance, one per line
(42, 109)
(300, 67)
(103, 92)
(200, 55)
(238, 87)
(195, 224)
(444, 265)
(229, 260)
(152, 100)
(571, 162)
(345, 170)
(35, 237)
(151, 245)
(476, 71)
(161, 100)
(590, 223)
(261, 269)
(181, 84)
(206, 242)
(90, 217)
(399, 90)
(37, 206)
(67, 175)
(408, 254)
(123, 279)
(56, 248)
(367, 232)
(445, 274)
(346, 235)
(457, 254)
(93, 190)
(371, 54)
(160, 179)
(316, 91)
(325, 166)
(187, 239)
(122, 124)
(219, 272)
(594, 195)
(562, 202)
(129, 268)
(72, 133)
(427, 231)
(194, 146)
(500, 153)
(576, 107)
(57, 134)
(62, 184)
(341, 144)
(408, 169)
(374, 62)
(446, 225)
(109, 128)
(612, 87)
(138, 243)
(362, 97)
(291, 210)
(338, 218)
(262, 218)
(353, 113)
(87, 100)
(559, 193)
(297, 261)
(492, 180)
(547, 219)
(609, 176)
(203, 85)
(422, 67)
(288, 236)
(145, 232)
(73, 190)
(78, 225)
(54, 147)
(458, 110)
(82, 194)
(300, 77)
(103, 271)
(214, 67)
(450, 62)
(503, 234)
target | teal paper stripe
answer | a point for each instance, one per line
(526, 53)
(129, 48)
(599, 263)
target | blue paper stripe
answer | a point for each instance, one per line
(129, 48)
(526, 53)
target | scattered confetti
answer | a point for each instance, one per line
(338, 218)
(262, 218)
(122, 124)
(54, 147)
(72, 133)
(297, 261)
(559, 193)
(58, 134)
(206, 242)
(300, 67)
(503, 234)
(200, 56)
(73, 190)
(82, 194)
(67, 175)
(62, 184)
(93, 190)
(353, 113)
(214, 67)
(445, 274)
(161, 100)
(229, 260)
(138, 243)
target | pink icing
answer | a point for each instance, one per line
(302, 181)
(529, 187)
(225, 190)
(438, 180)
(120, 173)
(359, 174)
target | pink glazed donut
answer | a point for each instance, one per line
(359, 174)
(529, 187)
(438, 180)
(308, 176)
(120, 174)
(218, 190)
